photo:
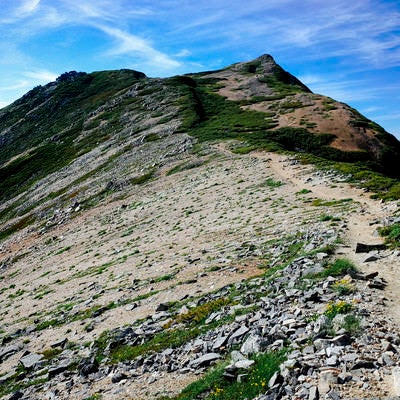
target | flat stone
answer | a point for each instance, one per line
(276, 379)
(237, 356)
(371, 259)
(332, 361)
(204, 360)
(118, 377)
(349, 357)
(219, 342)
(244, 364)
(58, 369)
(9, 350)
(239, 333)
(327, 378)
(368, 364)
(59, 343)
(31, 360)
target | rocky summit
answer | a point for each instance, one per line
(220, 235)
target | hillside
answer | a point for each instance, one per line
(154, 228)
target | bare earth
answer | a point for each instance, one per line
(167, 237)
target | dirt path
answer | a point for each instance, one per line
(361, 226)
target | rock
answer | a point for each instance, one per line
(332, 361)
(396, 380)
(58, 369)
(313, 394)
(238, 333)
(276, 380)
(60, 343)
(31, 360)
(8, 351)
(219, 342)
(16, 395)
(252, 345)
(244, 364)
(341, 340)
(322, 324)
(118, 377)
(366, 248)
(88, 366)
(327, 378)
(371, 259)
(237, 356)
(204, 360)
(377, 283)
(162, 307)
(7, 376)
(367, 364)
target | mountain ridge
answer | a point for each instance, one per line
(151, 229)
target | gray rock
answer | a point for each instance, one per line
(244, 364)
(321, 324)
(327, 378)
(31, 360)
(204, 360)
(237, 356)
(59, 368)
(219, 342)
(332, 361)
(276, 380)
(371, 259)
(8, 351)
(118, 377)
(60, 343)
(396, 380)
(313, 394)
(251, 345)
(238, 333)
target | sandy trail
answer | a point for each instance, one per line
(361, 226)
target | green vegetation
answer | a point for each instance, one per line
(343, 287)
(366, 175)
(330, 203)
(214, 386)
(338, 307)
(352, 324)
(339, 267)
(61, 119)
(272, 183)
(391, 234)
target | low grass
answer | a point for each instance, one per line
(339, 267)
(391, 234)
(330, 203)
(214, 386)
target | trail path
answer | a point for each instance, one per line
(361, 226)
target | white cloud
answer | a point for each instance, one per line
(183, 53)
(128, 44)
(27, 7)
(41, 76)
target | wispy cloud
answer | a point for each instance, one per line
(27, 7)
(41, 76)
(128, 44)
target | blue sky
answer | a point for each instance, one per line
(348, 50)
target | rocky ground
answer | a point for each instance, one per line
(241, 241)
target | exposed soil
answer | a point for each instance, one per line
(178, 235)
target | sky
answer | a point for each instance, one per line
(348, 50)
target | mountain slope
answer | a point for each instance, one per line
(146, 224)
